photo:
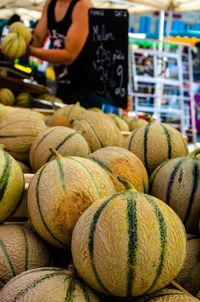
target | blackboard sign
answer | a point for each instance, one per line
(108, 46)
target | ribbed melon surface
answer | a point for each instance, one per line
(20, 250)
(177, 182)
(65, 140)
(156, 143)
(46, 284)
(18, 130)
(99, 130)
(64, 116)
(188, 277)
(129, 244)
(168, 295)
(60, 192)
(121, 163)
(11, 185)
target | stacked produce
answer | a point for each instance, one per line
(87, 204)
(14, 44)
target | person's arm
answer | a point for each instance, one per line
(75, 38)
(39, 34)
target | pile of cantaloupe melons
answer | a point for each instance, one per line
(106, 217)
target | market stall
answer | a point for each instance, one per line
(100, 206)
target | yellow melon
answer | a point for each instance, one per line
(21, 250)
(128, 244)
(13, 45)
(46, 284)
(22, 30)
(60, 191)
(65, 140)
(124, 168)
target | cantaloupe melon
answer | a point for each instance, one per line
(188, 277)
(7, 97)
(20, 250)
(46, 284)
(13, 45)
(121, 124)
(155, 143)
(129, 244)
(65, 140)
(24, 99)
(11, 185)
(99, 130)
(167, 295)
(18, 130)
(177, 182)
(124, 168)
(22, 30)
(136, 123)
(60, 191)
(64, 116)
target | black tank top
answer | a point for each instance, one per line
(76, 74)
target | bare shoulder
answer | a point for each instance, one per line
(84, 4)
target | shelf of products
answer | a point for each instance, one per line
(161, 84)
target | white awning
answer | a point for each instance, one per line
(31, 9)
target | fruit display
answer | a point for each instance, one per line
(91, 212)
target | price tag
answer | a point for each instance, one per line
(108, 44)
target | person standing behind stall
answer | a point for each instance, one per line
(66, 22)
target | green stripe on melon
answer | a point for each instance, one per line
(177, 182)
(11, 185)
(156, 143)
(131, 244)
(124, 168)
(19, 250)
(70, 184)
(63, 139)
(168, 295)
(55, 285)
